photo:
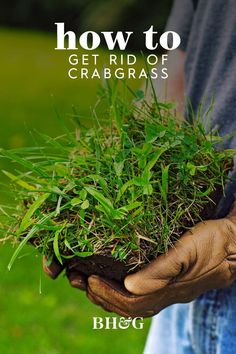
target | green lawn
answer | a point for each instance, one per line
(59, 320)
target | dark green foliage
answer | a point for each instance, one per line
(128, 187)
(89, 15)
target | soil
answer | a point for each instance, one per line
(104, 266)
(108, 267)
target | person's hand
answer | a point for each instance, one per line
(53, 269)
(203, 259)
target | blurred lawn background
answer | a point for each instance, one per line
(59, 320)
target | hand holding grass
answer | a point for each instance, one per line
(121, 193)
(53, 269)
(203, 259)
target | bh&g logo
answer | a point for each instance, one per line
(117, 323)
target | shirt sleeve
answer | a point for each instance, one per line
(181, 19)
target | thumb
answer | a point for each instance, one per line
(159, 273)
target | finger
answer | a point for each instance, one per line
(113, 293)
(154, 276)
(95, 301)
(109, 307)
(106, 305)
(164, 270)
(53, 269)
(93, 298)
(77, 280)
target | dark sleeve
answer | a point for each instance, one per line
(181, 19)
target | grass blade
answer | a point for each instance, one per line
(26, 221)
(26, 239)
(19, 181)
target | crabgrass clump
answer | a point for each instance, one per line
(127, 188)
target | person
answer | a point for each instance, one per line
(197, 276)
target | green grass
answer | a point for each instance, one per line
(33, 73)
(127, 189)
(59, 320)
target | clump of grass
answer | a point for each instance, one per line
(128, 187)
